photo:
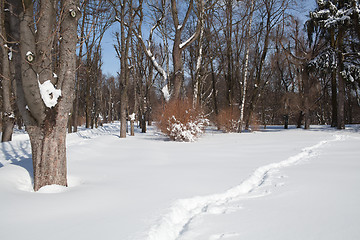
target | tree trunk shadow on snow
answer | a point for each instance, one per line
(19, 156)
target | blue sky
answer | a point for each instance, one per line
(111, 64)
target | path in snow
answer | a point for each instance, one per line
(180, 215)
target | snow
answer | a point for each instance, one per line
(156, 64)
(182, 45)
(10, 54)
(132, 116)
(166, 93)
(187, 132)
(272, 184)
(49, 93)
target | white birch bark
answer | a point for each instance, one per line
(246, 66)
(198, 66)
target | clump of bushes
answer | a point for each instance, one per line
(181, 122)
(228, 119)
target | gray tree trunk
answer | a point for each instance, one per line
(46, 124)
(8, 117)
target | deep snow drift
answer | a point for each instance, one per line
(273, 184)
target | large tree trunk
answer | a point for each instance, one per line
(46, 121)
(123, 113)
(178, 46)
(178, 67)
(49, 154)
(123, 45)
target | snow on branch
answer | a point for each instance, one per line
(187, 42)
(329, 16)
(49, 93)
(156, 64)
(166, 93)
(325, 61)
(151, 56)
(351, 72)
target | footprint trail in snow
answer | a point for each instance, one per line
(173, 224)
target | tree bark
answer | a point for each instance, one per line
(46, 124)
(132, 133)
(333, 86)
(213, 83)
(49, 155)
(306, 82)
(178, 66)
(245, 74)
(229, 53)
(341, 82)
(8, 117)
(197, 86)
(333, 99)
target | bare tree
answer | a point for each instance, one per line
(178, 44)
(126, 12)
(45, 100)
(272, 12)
(246, 65)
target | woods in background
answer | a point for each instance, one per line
(243, 63)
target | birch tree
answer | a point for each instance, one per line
(246, 65)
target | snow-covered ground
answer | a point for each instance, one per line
(274, 184)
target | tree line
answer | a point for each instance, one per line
(247, 62)
(252, 61)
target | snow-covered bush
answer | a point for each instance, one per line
(186, 132)
(181, 122)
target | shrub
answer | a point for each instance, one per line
(228, 120)
(181, 122)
